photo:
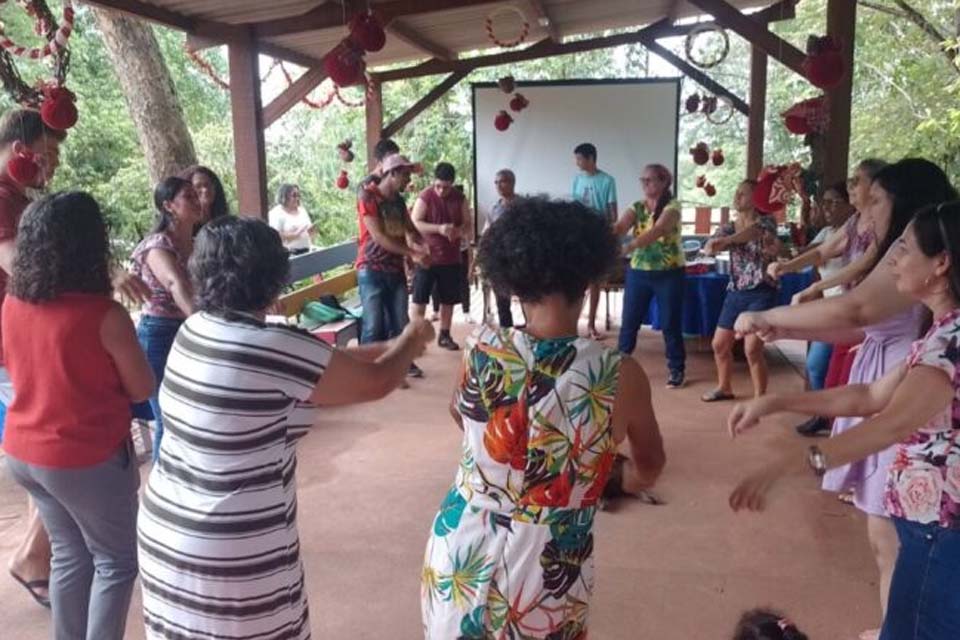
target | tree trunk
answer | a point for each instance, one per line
(149, 93)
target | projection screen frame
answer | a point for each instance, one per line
(675, 80)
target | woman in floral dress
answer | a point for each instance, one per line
(511, 550)
(914, 406)
(753, 245)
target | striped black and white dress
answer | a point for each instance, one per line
(219, 550)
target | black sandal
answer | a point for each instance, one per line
(32, 586)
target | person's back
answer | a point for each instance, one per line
(71, 409)
(542, 413)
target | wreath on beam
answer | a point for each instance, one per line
(695, 56)
(52, 98)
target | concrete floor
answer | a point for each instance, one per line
(372, 476)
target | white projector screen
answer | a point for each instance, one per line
(631, 122)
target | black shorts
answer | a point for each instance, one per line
(446, 277)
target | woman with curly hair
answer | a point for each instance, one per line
(210, 193)
(542, 412)
(73, 357)
(219, 548)
(160, 260)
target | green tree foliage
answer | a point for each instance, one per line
(905, 103)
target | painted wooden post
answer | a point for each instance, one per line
(758, 110)
(841, 24)
(374, 109)
(248, 143)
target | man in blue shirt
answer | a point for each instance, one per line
(598, 190)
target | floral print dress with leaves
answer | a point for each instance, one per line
(923, 484)
(511, 550)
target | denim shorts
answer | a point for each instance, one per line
(759, 298)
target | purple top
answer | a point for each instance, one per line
(160, 303)
(857, 245)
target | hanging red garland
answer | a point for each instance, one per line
(366, 31)
(524, 30)
(206, 67)
(55, 44)
(306, 100)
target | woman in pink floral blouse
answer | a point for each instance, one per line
(916, 405)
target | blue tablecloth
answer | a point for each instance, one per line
(703, 298)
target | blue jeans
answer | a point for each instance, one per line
(639, 289)
(156, 336)
(818, 361)
(383, 295)
(924, 602)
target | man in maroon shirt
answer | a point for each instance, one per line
(22, 131)
(442, 216)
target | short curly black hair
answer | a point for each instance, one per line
(238, 265)
(541, 247)
(62, 247)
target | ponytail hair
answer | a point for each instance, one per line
(663, 174)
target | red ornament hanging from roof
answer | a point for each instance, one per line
(808, 116)
(519, 103)
(52, 98)
(344, 64)
(522, 19)
(824, 65)
(502, 121)
(367, 32)
(776, 186)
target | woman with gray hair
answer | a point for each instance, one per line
(291, 220)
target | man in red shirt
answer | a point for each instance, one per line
(22, 132)
(386, 238)
(442, 215)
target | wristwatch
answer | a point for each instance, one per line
(817, 460)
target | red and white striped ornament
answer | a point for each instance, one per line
(524, 31)
(53, 46)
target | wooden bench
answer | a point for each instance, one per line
(338, 333)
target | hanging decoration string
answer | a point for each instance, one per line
(205, 67)
(55, 44)
(45, 24)
(524, 28)
(313, 104)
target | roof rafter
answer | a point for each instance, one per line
(407, 34)
(544, 19)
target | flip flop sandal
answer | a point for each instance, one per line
(31, 587)
(716, 396)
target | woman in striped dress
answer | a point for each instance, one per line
(219, 549)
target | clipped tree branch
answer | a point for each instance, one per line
(928, 27)
(882, 9)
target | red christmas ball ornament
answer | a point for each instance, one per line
(717, 157)
(519, 103)
(343, 149)
(344, 64)
(824, 65)
(796, 125)
(58, 109)
(502, 121)
(23, 168)
(343, 180)
(700, 153)
(367, 32)
(701, 182)
(506, 84)
(763, 190)
(692, 103)
(710, 190)
(709, 105)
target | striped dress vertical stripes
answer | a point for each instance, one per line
(219, 549)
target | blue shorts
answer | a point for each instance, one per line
(759, 298)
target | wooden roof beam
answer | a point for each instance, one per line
(695, 74)
(331, 14)
(543, 18)
(754, 32)
(221, 32)
(542, 49)
(783, 10)
(292, 95)
(420, 105)
(407, 34)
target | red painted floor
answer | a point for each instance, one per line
(372, 476)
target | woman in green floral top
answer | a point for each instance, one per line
(542, 410)
(917, 405)
(656, 268)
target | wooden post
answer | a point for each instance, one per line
(374, 109)
(248, 143)
(841, 24)
(758, 111)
